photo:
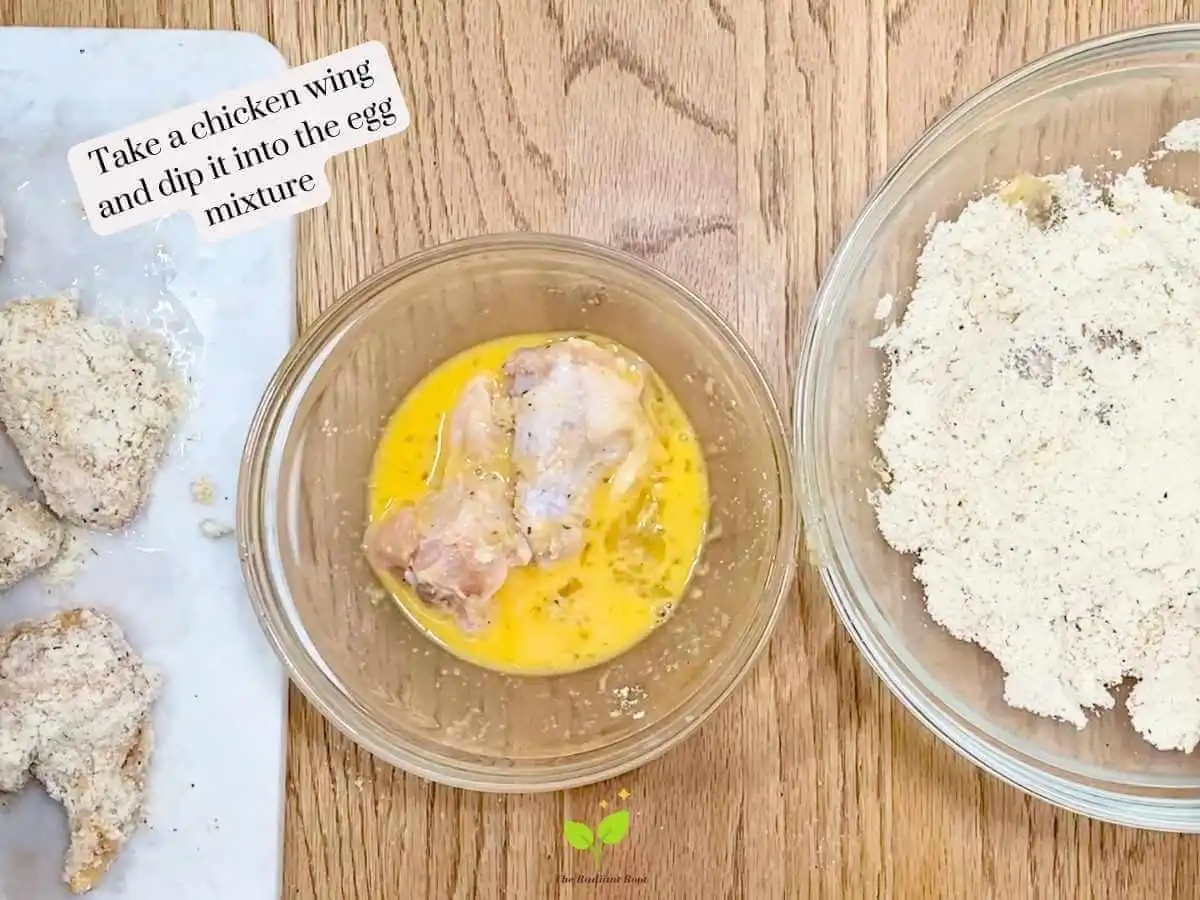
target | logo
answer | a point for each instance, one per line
(611, 830)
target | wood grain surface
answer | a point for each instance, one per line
(731, 142)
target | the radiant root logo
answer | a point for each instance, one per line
(612, 829)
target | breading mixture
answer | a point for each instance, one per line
(1041, 438)
(30, 537)
(1184, 137)
(88, 407)
(75, 707)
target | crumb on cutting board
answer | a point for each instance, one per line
(203, 491)
(70, 560)
(87, 406)
(211, 528)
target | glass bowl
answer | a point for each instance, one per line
(1074, 107)
(302, 511)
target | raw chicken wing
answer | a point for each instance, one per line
(456, 546)
(579, 419)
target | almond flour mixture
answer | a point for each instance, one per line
(1042, 439)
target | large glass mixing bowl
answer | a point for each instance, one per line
(1104, 103)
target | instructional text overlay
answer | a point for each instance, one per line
(246, 157)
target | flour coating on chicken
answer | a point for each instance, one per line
(87, 406)
(30, 537)
(579, 419)
(75, 704)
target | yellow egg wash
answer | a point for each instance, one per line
(639, 548)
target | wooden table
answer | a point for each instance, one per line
(731, 142)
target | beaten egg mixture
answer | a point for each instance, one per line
(638, 552)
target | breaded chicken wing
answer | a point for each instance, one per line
(75, 704)
(30, 537)
(88, 407)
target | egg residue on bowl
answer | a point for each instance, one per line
(504, 559)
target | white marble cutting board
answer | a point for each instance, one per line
(216, 782)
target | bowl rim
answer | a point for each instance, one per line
(904, 677)
(309, 674)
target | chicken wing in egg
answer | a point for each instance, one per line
(579, 419)
(456, 546)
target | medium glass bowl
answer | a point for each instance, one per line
(1077, 106)
(302, 510)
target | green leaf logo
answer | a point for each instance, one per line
(578, 835)
(613, 828)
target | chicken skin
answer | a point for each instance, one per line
(455, 547)
(579, 419)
